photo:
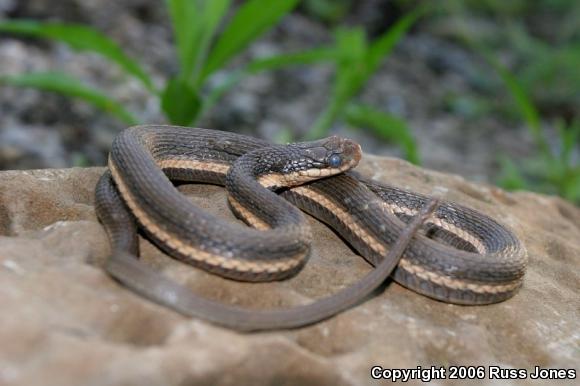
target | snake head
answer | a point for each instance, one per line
(297, 163)
(324, 157)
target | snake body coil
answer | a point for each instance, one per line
(461, 256)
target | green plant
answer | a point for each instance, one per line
(551, 171)
(355, 60)
(547, 74)
(200, 51)
(195, 24)
(541, 39)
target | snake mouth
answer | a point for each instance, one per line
(327, 172)
(276, 180)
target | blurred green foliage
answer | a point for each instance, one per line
(551, 171)
(200, 51)
(542, 80)
(71, 87)
(541, 77)
(328, 11)
(386, 126)
(355, 60)
(541, 39)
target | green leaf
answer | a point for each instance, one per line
(65, 85)
(194, 25)
(357, 62)
(386, 126)
(569, 136)
(316, 55)
(312, 56)
(524, 103)
(213, 13)
(186, 23)
(180, 102)
(352, 45)
(351, 48)
(252, 19)
(81, 38)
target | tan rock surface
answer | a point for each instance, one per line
(63, 321)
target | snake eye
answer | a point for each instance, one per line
(334, 161)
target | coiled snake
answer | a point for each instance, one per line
(459, 256)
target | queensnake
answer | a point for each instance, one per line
(458, 256)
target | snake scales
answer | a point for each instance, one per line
(460, 256)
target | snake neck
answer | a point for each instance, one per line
(250, 183)
(253, 177)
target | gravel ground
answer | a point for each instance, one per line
(417, 82)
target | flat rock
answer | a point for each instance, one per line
(64, 321)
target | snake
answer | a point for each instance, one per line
(437, 248)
